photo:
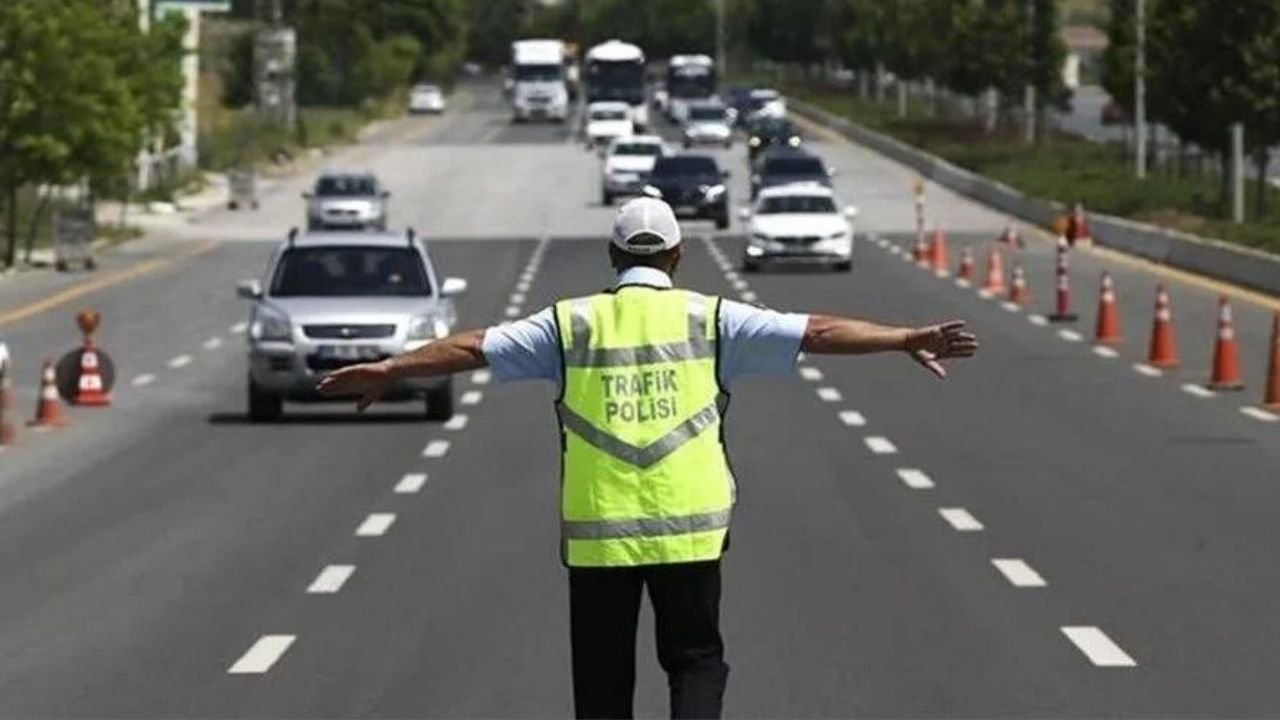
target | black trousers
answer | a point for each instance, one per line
(604, 605)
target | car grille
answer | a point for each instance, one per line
(316, 363)
(797, 239)
(348, 332)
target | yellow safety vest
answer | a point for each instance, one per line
(645, 477)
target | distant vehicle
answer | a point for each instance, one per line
(627, 164)
(707, 122)
(763, 102)
(426, 99)
(335, 299)
(738, 100)
(606, 121)
(767, 132)
(694, 187)
(615, 71)
(689, 78)
(538, 89)
(798, 223)
(1113, 114)
(348, 201)
(784, 166)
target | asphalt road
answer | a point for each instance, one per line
(164, 558)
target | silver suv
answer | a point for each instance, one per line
(337, 298)
(346, 201)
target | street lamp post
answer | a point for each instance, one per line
(1140, 91)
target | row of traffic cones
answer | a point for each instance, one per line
(90, 391)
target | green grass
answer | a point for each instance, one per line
(1067, 169)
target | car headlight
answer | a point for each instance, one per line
(427, 327)
(270, 323)
(712, 192)
(754, 142)
(794, 141)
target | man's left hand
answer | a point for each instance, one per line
(930, 345)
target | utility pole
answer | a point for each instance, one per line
(1140, 90)
(1237, 173)
(1029, 94)
(721, 67)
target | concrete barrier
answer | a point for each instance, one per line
(1242, 266)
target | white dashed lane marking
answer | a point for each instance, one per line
(436, 448)
(411, 483)
(1103, 351)
(1259, 414)
(1070, 335)
(331, 579)
(239, 328)
(829, 394)
(457, 422)
(471, 397)
(180, 362)
(749, 296)
(880, 445)
(852, 418)
(213, 343)
(1018, 572)
(960, 519)
(1101, 650)
(1197, 391)
(1012, 307)
(481, 377)
(513, 311)
(143, 380)
(812, 374)
(1038, 320)
(375, 525)
(262, 655)
(517, 298)
(1148, 370)
(915, 479)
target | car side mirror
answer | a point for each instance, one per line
(724, 174)
(850, 211)
(744, 213)
(306, 195)
(249, 289)
(652, 192)
(453, 287)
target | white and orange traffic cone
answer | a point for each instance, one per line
(90, 390)
(49, 405)
(1226, 355)
(1009, 236)
(994, 284)
(965, 271)
(1078, 231)
(1271, 398)
(7, 433)
(923, 252)
(1062, 311)
(1018, 292)
(1106, 329)
(1163, 352)
(938, 253)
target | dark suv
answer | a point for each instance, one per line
(766, 132)
(787, 166)
(694, 187)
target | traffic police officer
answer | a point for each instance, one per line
(646, 490)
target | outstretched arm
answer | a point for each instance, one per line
(827, 334)
(456, 353)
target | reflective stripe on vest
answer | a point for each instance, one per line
(645, 476)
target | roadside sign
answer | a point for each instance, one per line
(73, 231)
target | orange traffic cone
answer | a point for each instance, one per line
(48, 407)
(1018, 292)
(1226, 356)
(89, 388)
(1107, 327)
(965, 271)
(923, 251)
(1271, 399)
(938, 253)
(1008, 236)
(1078, 226)
(6, 405)
(994, 284)
(1163, 352)
(1062, 293)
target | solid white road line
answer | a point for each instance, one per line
(1018, 572)
(457, 422)
(180, 361)
(481, 377)
(262, 655)
(880, 445)
(749, 296)
(960, 519)
(213, 343)
(829, 394)
(812, 374)
(1103, 351)
(331, 579)
(143, 380)
(1038, 320)
(852, 418)
(471, 397)
(436, 448)
(915, 479)
(411, 483)
(1197, 391)
(1260, 414)
(1148, 370)
(239, 328)
(376, 524)
(1100, 649)
(1070, 335)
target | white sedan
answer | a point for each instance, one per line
(607, 120)
(627, 164)
(426, 99)
(798, 224)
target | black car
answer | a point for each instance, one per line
(738, 100)
(784, 166)
(767, 132)
(694, 187)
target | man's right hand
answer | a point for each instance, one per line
(368, 380)
(929, 345)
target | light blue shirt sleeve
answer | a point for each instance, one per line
(757, 341)
(526, 349)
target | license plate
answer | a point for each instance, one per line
(348, 352)
(686, 209)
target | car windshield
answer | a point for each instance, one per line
(538, 72)
(760, 98)
(797, 204)
(427, 90)
(688, 165)
(774, 127)
(350, 272)
(636, 149)
(794, 166)
(346, 186)
(608, 115)
(706, 113)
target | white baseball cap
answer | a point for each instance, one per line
(645, 226)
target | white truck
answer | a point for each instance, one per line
(538, 89)
(615, 72)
